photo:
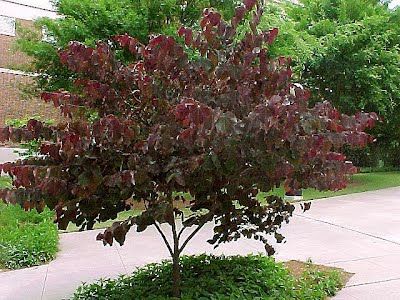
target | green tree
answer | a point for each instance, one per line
(359, 69)
(90, 21)
(350, 55)
(292, 41)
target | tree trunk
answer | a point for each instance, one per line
(176, 276)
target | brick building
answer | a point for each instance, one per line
(15, 14)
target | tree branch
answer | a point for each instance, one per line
(181, 231)
(175, 237)
(164, 238)
(192, 235)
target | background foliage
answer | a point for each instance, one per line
(90, 21)
(347, 52)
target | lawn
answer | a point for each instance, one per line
(5, 181)
(361, 182)
(121, 216)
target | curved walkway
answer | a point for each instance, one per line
(359, 233)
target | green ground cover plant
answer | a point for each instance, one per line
(219, 277)
(26, 238)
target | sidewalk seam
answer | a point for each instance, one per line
(44, 283)
(357, 259)
(349, 229)
(372, 282)
(122, 261)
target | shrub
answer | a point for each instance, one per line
(212, 277)
(26, 238)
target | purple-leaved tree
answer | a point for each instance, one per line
(221, 125)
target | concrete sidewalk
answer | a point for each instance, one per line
(8, 154)
(359, 233)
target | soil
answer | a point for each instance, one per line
(297, 268)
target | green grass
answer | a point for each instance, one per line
(362, 182)
(121, 216)
(359, 183)
(217, 278)
(5, 182)
(26, 238)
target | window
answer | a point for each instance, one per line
(7, 25)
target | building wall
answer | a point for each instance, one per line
(13, 104)
(9, 58)
(27, 9)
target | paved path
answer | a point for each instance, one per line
(360, 233)
(8, 154)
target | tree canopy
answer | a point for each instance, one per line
(344, 51)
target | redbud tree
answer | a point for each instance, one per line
(212, 116)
